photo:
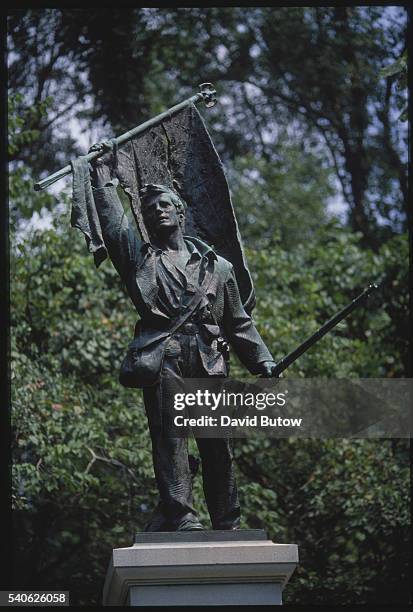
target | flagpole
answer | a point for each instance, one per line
(207, 93)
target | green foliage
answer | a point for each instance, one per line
(293, 115)
(21, 133)
(21, 120)
(313, 72)
(398, 70)
(301, 289)
(83, 479)
(346, 504)
(271, 196)
(399, 67)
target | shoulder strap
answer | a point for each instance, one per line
(191, 307)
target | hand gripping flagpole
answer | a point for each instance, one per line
(207, 93)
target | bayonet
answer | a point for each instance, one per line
(304, 346)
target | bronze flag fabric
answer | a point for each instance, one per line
(179, 153)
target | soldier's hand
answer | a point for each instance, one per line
(266, 368)
(103, 169)
(106, 146)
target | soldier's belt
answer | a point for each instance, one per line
(189, 329)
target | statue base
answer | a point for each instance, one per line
(196, 568)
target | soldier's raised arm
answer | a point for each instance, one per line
(121, 241)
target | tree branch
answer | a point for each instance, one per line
(112, 462)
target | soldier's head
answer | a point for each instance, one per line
(162, 209)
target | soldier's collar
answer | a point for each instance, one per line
(198, 247)
(195, 246)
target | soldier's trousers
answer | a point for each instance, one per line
(170, 454)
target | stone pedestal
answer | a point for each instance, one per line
(200, 568)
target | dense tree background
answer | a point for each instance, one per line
(311, 114)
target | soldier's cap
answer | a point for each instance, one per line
(150, 190)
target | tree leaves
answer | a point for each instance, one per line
(81, 447)
(82, 474)
(325, 87)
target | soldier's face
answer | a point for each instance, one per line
(160, 213)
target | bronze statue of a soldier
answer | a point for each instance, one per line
(193, 291)
(190, 308)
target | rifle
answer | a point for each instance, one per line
(207, 93)
(302, 348)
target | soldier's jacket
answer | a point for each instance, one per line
(161, 292)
